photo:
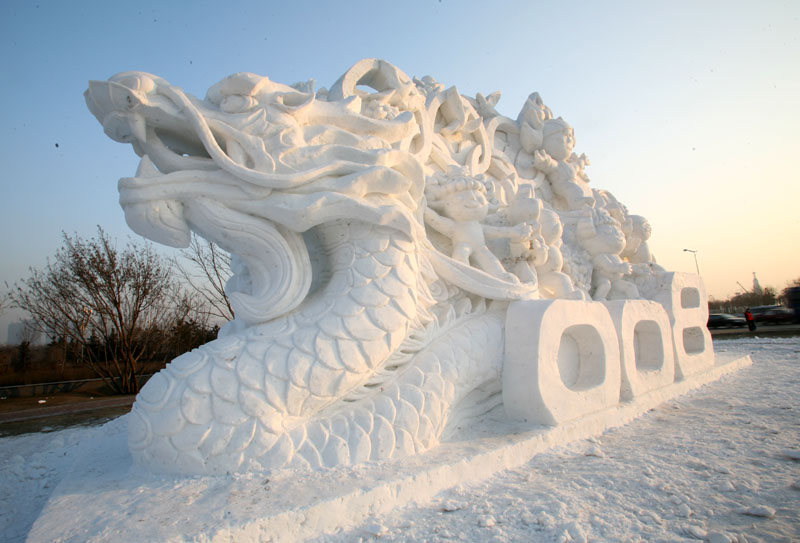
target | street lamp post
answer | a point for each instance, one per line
(694, 253)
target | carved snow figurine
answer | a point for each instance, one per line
(603, 239)
(645, 271)
(462, 201)
(522, 254)
(607, 201)
(636, 250)
(563, 168)
(554, 283)
(531, 123)
(370, 312)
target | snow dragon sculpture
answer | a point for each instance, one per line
(379, 230)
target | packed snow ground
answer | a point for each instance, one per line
(719, 464)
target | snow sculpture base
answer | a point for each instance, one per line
(104, 499)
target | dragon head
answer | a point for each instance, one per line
(257, 163)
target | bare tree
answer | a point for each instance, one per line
(206, 268)
(117, 306)
(739, 302)
(27, 334)
(790, 296)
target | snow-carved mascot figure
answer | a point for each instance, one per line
(377, 241)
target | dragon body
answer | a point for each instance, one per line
(357, 336)
(253, 399)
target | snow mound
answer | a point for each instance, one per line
(104, 496)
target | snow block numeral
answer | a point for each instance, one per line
(645, 344)
(561, 360)
(683, 295)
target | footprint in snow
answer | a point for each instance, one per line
(697, 532)
(792, 454)
(698, 466)
(720, 537)
(726, 486)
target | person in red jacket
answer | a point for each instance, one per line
(751, 323)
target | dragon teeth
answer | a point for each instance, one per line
(138, 126)
(147, 168)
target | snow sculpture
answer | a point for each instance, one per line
(684, 298)
(570, 352)
(563, 168)
(463, 201)
(405, 258)
(553, 282)
(647, 358)
(605, 241)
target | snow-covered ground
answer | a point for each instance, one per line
(721, 463)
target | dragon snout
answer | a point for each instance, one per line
(115, 103)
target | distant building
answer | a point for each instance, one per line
(756, 285)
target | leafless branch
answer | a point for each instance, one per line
(206, 268)
(119, 306)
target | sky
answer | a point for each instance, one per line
(688, 110)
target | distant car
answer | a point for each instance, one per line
(779, 315)
(724, 320)
(793, 299)
(772, 314)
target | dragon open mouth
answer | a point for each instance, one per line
(205, 168)
(177, 189)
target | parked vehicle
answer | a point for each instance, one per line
(724, 320)
(772, 314)
(793, 301)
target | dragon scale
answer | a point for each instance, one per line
(248, 389)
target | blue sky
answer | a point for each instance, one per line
(688, 110)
